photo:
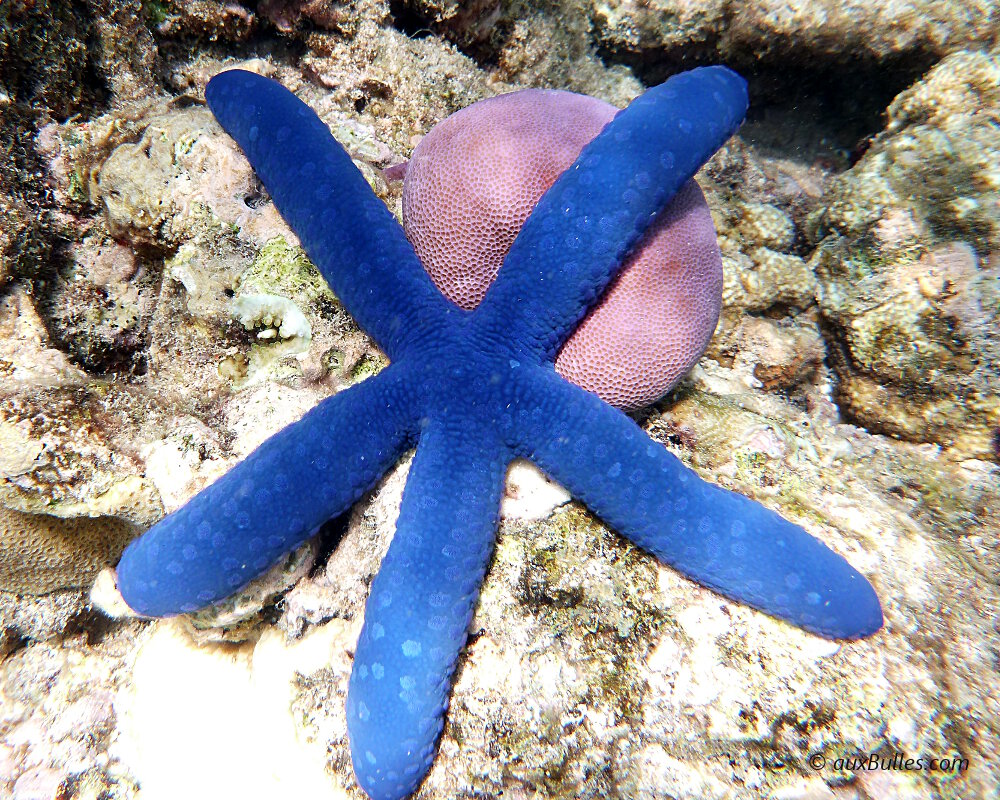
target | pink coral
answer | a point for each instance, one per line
(474, 179)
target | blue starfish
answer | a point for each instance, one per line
(473, 390)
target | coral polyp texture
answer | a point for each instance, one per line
(472, 390)
(475, 178)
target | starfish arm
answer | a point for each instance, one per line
(578, 235)
(718, 538)
(347, 231)
(269, 503)
(419, 609)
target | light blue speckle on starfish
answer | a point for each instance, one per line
(472, 390)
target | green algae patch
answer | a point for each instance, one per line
(367, 366)
(285, 270)
(155, 11)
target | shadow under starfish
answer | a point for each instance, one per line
(472, 390)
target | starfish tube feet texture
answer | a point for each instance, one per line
(718, 538)
(420, 607)
(268, 504)
(473, 389)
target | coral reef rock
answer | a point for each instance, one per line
(908, 265)
(802, 29)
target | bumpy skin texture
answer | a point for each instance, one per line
(474, 389)
(473, 181)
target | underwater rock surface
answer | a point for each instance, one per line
(802, 29)
(909, 268)
(859, 300)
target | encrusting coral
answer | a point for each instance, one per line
(40, 554)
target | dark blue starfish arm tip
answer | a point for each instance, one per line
(730, 80)
(222, 87)
(723, 92)
(835, 600)
(221, 80)
(859, 615)
(268, 504)
(733, 91)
